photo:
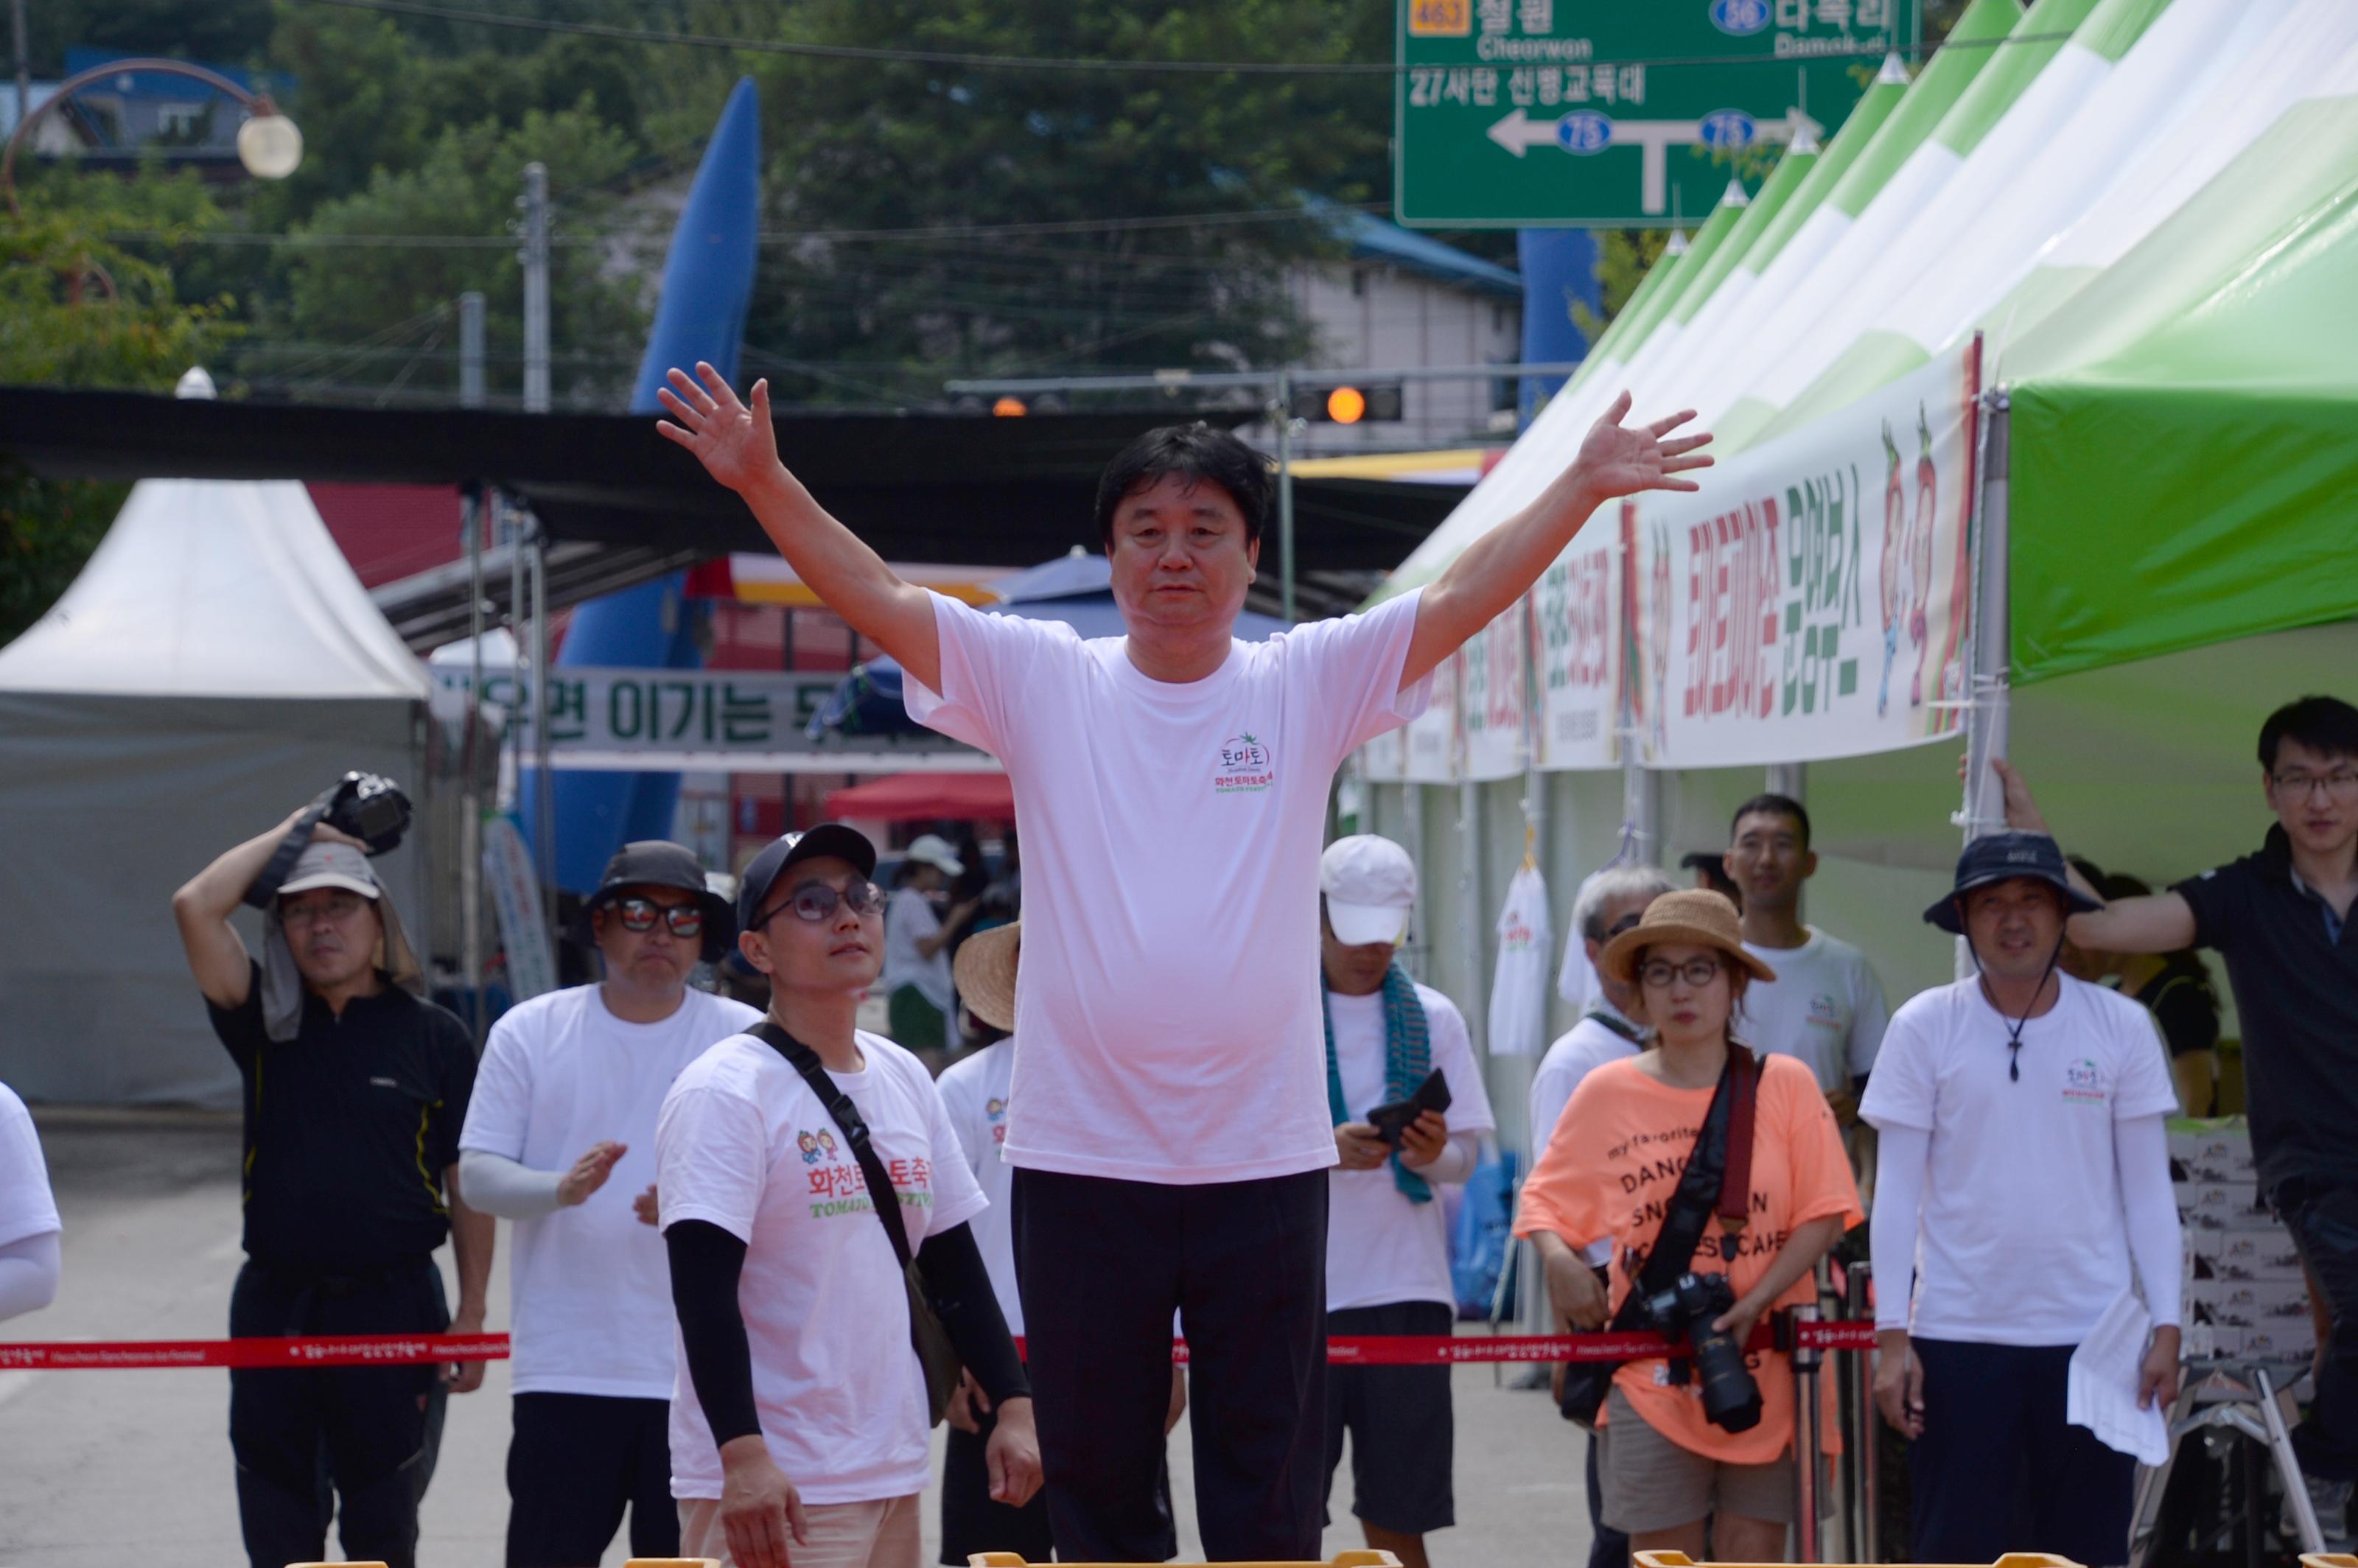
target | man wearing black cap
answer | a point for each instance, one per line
(559, 1136)
(804, 1165)
(355, 1088)
(2023, 1184)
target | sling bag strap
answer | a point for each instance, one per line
(846, 1115)
(1741, 1081)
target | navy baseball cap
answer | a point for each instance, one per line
(2002, 858)
(835, 839)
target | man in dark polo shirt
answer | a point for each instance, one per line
(2283, 919)
(355, 1091)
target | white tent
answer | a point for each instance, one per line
(214, 665)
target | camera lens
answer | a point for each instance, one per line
(1731, 1399)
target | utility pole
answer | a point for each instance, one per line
(535, 257)
(471, 352)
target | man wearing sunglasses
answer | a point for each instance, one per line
(559, 1136)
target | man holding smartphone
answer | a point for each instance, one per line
(1394, 1049)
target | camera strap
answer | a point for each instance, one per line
(1718, 1179)
(281, 864)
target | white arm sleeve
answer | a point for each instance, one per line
(29, 1274)
(1901, 1156)
(1456, 1160)
(497, 1184)
(2141, 1150)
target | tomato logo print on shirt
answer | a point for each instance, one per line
(996, 1110)
(816, 1146)
(2083, 1083)
(1244, 766)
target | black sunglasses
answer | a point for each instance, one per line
(816, 902)
(640, 914)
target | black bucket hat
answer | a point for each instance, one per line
(835, 839)
(2002, 858)
(655, 862)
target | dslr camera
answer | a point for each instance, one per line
(371, 808)
(1731, 1399)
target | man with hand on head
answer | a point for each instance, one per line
(1387, 1239)
(2022, 1183)
(813, 1197)
(355, 1089)
(1170, 1139)
(559, 1137)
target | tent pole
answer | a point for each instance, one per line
(1469, 883)
(1987, 715)
(1413, 830)
(470, 828)
(1283, 409)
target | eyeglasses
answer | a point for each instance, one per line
(2298, 782)
(340, 907)
(816, 902)
(1697, 972)
(640, 914)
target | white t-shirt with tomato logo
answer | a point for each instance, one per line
(1825, 1007)
(975, 1092)
(1170, 834)
(742, 1144)
(2024, 1238)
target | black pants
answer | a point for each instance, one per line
(574, 1462)
(362, 1438)
(2324, 1223)
(1999, 1468)
(1399, 1419)
(971, 1520)
(1607, 1547)
(1102, 1264)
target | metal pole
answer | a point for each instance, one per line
(1285, 407)
(511, 527)
(1470, 885)
(471, 830)
(1789, 779)
(1986, 717)
(536, 287)
(1865, 1541)
(24, 65)
(471, 350)
(1806, 1443)
(544, 780)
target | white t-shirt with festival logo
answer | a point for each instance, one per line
(1170, 841)
(742, 1144)
(975, 1091)
(591, 1285)
(1382, 1245)
(1825, 1007)
(2023, 1237)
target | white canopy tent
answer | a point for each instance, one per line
(214, 665)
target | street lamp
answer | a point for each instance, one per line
(268, 144)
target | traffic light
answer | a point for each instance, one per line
(1348, 404)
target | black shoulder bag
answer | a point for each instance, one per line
(927, 1337)
(1718, 1177)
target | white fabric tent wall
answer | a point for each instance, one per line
(215, 664)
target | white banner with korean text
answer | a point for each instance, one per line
(1431, 736)
(1576, 652)
(1812, 599)
(1492, 697)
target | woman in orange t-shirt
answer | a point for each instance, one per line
(1608, 1174)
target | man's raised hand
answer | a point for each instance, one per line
(736, 444)
(1617, 460)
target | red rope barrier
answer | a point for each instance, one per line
(411, 1349)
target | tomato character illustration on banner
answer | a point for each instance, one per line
(1928, 484)
(1895, 507)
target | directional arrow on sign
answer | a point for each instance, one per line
(1517, 133)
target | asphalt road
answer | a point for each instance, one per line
(107, 1467)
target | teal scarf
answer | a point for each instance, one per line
(1408, 1059)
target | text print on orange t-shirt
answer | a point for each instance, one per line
(1609, 1172)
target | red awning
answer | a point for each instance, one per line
(913, 797)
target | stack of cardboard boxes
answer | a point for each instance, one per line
(2246, 1299)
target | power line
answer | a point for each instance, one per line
(1068, 63)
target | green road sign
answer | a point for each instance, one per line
(1616, 113)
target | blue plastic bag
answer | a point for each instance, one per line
(1482, 1242)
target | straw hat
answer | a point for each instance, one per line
(985, 971)
(1696, 917)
